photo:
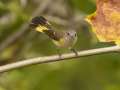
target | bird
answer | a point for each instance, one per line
(62, 39)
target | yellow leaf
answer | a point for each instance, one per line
(106, 21)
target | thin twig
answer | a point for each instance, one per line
(24, 28)
(54, 58)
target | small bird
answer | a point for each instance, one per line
(62, 39)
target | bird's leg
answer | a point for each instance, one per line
(73, 50)
(59, 53)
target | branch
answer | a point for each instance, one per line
(54, 58)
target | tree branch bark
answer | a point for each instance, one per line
(54, 58)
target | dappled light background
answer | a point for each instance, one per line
(18, 42)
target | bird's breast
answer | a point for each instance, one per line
(65, 42)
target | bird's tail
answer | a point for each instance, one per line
(40, 24)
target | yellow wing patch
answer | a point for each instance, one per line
(59, 43)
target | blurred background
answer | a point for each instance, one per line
(18, 42)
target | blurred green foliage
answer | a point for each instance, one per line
(86, 6)
(98, 72)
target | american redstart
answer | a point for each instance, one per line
(62, 39)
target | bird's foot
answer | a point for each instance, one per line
(74, 51)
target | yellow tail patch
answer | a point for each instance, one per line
(41, 28)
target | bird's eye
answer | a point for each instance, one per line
(68, 33)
